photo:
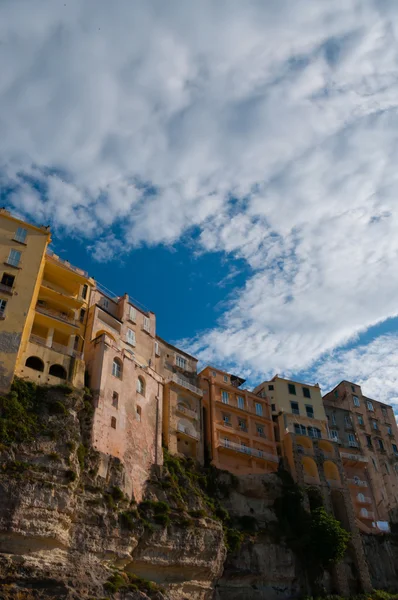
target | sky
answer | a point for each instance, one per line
(231, 165)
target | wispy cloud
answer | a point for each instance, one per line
(269, 126)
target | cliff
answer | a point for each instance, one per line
(68, 530)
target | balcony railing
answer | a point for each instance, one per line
(184, 383)
(61, 291)
(6, 288)
(368, 515)
(363, 500)
(186, 411)
(66, 263)
(56, 315)
(191, 432)
(35, 339)
(250, 451)
(358, 482)
(354, 457)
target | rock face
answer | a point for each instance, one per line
(68, 530)
(382, 557)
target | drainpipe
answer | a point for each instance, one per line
(157, 427)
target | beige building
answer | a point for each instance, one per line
(369, 430)
(182, 401)
(128, 392)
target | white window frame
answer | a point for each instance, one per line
(241, 402)
(12, 257)
(181, 361)
(259, 409)
(132, 314)
(334, 434)
(370, 405)
(351, 438)
(224, 397)
(130, 337)
(375, 425)
(20, 235)
(309, 406)
(225, 378)
(147, 324)
(356, 401)
(116, 369)
(360, 420)
(157, 349)
(333, 419)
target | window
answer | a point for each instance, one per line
(20, 235)
(138, 413)
(336, 393)
(147, 324)
(76, 342)
(364, 512)
(157, 349)
(369, 405)
(375, 425)
(132, 314)
(381, 444)
(334, 434)
(273, 407)
(84, 291)
(369, 441)
(395, 448)
(225, 378)
(306, 392)
(141, 386)
(360, 419)
(181, 362)
(309, 410)
(387, 468)
(242, 424)
(82, 315)
(352, 442)
(105, 302)
(353, 388)
(384, 411)
(8, 280)
(292, 388)
(226, 419)
(117, 368)
(241, 402)
(225, 397)
(260, 431)
(226, 442)
(57, 371)
(389, 430)
(130, 337)
(214, 374)
(300, 429)
(14, 257)
(259, 409)
(295, 408)
(115, 399)
(347, 421)
(374, 464)
(3, 304)
(113, 422)
(333, 419)
(33, 362)
(271, 388)
(356, 401)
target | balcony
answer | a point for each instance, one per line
(354, 457)
(66, 263)
(249, 451)
(353, 445)
(357, 482)
(55, 314)
(7, 289)
(185, 384)
(188, 431)
(186, 411)
(35, 339)
(363, 499)
(368, 515)
(57, 292)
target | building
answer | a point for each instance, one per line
(182, 401)
(120, 360)
(238, 429)
(312, 455)
(367, 428)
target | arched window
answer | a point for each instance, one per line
(361, 498)
(141, 386)
(57, 371)
(364, 512)
(117, 368)
(34, 362)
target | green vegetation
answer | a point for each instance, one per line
(125, 582)
(316, 537)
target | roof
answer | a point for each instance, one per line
(175, 348)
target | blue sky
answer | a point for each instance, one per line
(229, 164)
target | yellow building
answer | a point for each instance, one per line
(22, 250)
(43, 308)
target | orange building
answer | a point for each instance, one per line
(238, 428)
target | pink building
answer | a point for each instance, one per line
(120, 353)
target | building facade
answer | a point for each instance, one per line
(367, 428)
(238, 428)
(182, 401)
(128, 392)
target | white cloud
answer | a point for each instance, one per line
(270, 126)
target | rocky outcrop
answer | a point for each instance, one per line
(382, 557)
